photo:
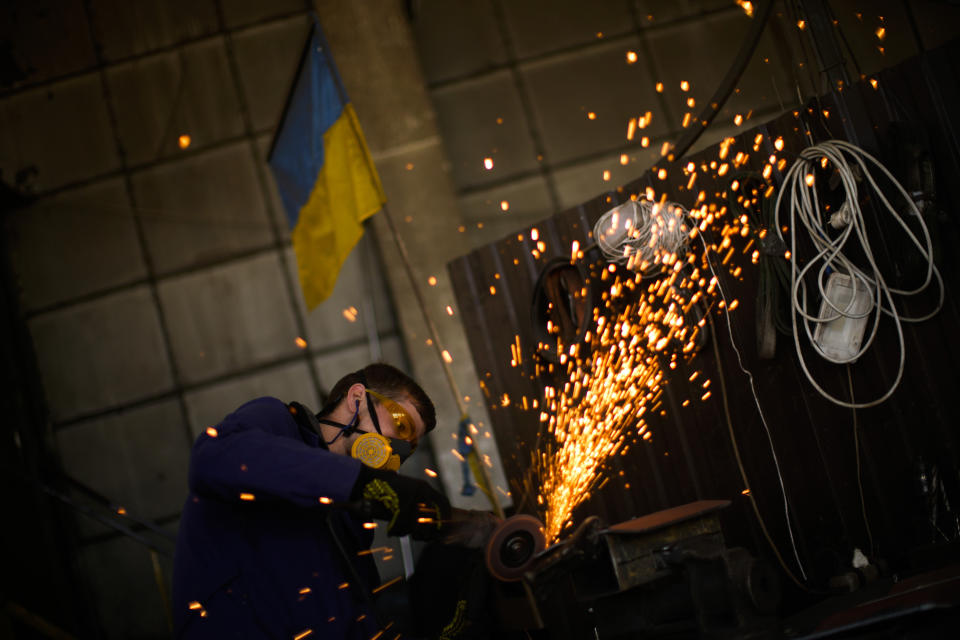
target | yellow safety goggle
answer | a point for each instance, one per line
(406, 428)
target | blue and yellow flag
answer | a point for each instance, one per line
(324, 173)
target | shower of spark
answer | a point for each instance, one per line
(615, 376)
(613, 386)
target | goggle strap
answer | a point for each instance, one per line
(373, 413)
(347, 429)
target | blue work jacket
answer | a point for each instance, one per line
(256, 556)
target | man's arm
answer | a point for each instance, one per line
(256, 454)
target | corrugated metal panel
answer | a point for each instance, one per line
(690, 456)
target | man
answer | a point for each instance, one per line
(271, 530)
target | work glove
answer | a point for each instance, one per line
(409, 506)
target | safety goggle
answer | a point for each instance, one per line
(406, 428)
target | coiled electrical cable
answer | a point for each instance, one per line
(641, 234)
(846, 227)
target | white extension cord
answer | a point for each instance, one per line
(805, 212)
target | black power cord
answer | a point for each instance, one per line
(726, 86)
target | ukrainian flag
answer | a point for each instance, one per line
(324, 173)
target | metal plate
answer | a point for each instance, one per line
(653, 521)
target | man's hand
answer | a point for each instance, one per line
(409, 506)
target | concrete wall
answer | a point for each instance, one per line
(157, 281)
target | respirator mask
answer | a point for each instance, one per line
(375, 449)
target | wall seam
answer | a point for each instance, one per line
(140, 232)
(219, 378)
(103, 65)
(526, 104)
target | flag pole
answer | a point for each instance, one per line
(435, 337)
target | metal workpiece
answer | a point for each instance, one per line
(676, 569)
(662, 573)
(646, 548)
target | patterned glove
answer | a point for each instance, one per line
(409, 506)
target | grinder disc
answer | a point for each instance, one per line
(513, 546)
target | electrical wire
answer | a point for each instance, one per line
(856, 449)
(638, 234)
(727, 84)
(743, 471)
(641, 233)
(766, 427)
(846, 225)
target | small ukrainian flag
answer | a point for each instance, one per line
(324, 173)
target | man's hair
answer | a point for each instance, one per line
(389, 381)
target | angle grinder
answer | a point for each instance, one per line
(513, 547)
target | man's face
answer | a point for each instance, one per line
(397, 418)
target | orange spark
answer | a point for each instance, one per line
(386, 584)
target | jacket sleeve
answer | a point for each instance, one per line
(256, 454)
